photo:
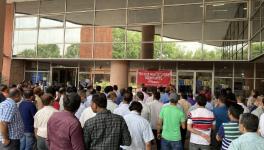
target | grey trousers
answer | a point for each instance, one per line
(193, 146)
(13, 145)
(41, 143)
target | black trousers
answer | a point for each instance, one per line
(156, 139)
(13, 145)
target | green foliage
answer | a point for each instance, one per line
(103, 83)
(73, 51)
(44, 51)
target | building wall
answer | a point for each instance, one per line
(7, 52)
(17, 72)
(2, 24)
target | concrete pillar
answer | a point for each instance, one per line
(2, 26)
(147, 49)
(119, 73)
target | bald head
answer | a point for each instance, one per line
(15, 94)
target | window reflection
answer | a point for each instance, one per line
(47, 36)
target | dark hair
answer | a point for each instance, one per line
(82, 93)
(236, 110)
(100, 100)
(128, 97)
(250, 122)
(115, 87)
(28, 93)
(62, 90)
(183, 95)
(122, 91)
(71, 89)
(161, 89)
(98, 88)
(47, 99)
(140, 95)
(51, 90)
(14, 92)
(37, 91)
(156, 95)
(108, 89)
(144, 89)
(71, 102)
(3, 87)
(201, 100)
(136, 106)
(129, 89)
(222, 98)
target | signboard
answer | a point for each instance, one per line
(154, 78)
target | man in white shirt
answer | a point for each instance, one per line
(83, 105)
(261, 125)
(123, 108)
(41, 120)
(139, 128)
(111, 105)
(86, 114)
(145, 112)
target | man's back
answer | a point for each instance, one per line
(64, 132)
(172, 118)
(106, 131)
(140, 131)
(155, 108)
(248, 141)
(28, 110)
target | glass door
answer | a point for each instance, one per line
(186, 82)
(204, 82)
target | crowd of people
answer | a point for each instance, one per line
(34, 117)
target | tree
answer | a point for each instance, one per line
(44, 51)
(73, 51)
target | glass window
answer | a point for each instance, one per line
(118, 17)
(187, 31)
(79, 19)
(25, 51)
(25, 37)
(256, 47)
(223, 69)
(86, 50)
(195, 66)
(244, 70)
(52, 6)
(144, 3)
(183, 13)
(111, 4)
(256, 22)
(80, 5)
(103, 50)
(260, 70)
(133, 50)
(31, 76)
(110, 34)
(144, 16)
(72, 51)
(86, 66)
(27, 7)
(50, 50)
(51, 21)
(84, 76)
(222, 83)
(46, 38)
(169, 2)
(42, 66)
(31, 65)
(226, 10)
(118, 50)
(74, 35)
(243, 86)
(260, 85)
(26, 22)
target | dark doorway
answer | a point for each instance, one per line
(60, 76)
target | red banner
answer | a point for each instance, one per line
(154, 78)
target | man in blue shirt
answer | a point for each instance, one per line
(220, 112)
(11, 125)
(28, 110)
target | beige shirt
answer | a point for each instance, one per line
(111, 105)
(86, 114)
(185, 105)
(41, 120)
(155, 108)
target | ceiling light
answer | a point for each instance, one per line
(217, 5)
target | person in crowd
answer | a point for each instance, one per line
(111, 98)
(155, 108)
(252, 98)
(86, 114)
(150, 94)
(3, 92)
(105, 130)
(64, 129)
(171, 115)
(230, 97)
(115, 89)
(90, 94)
(123, 108)
(108, 89)
(83, 105)
(11, 124)
(28, 110)
(145, 112)
(200, 123)
(38, 93)
(250, 139)
(139, 128)
(62, 92)
(242, 101)
(98, 89)
(261, 125)
(145, 94)
(260, 107)
(41, 120)
(190, 99)
(230, 131)
(120, 96)
(220, 112)
(51, 90)
(164, 95)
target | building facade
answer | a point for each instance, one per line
(212, 43)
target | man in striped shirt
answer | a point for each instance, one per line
(200, 123)
(230, 130)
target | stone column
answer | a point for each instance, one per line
(147, 49)
(119, 73)
(2, 26)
